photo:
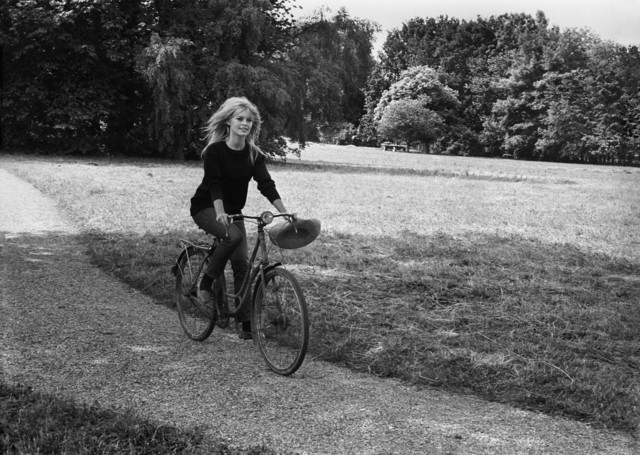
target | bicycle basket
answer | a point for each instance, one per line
(292, 235)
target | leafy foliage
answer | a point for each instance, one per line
(418, 107)
(526, 89)
(69, 83)
(207, 51)
(142, 77)
(411, 121)
(332, 60)
(168, 71)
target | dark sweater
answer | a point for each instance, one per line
(227, 174)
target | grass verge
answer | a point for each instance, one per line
(32, 422)
(540, 326)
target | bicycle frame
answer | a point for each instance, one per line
(279, 315)
(254, 272)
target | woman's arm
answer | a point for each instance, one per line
(221, 216)
(282, 209)
(213, 172)
(266, 185)
(279, 205)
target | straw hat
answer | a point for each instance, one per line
(292, 235)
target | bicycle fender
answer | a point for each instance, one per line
(183, 253)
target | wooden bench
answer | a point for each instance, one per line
(393, 147)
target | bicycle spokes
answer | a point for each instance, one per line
(281, 322)
(196, 318)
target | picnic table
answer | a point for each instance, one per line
(394, 147)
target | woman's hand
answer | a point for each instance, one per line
(292, 218)
(223, 219)
(282, 209)
(221, 215)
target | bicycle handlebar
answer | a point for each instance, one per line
(264, 218)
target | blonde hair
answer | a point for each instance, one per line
(217, 129)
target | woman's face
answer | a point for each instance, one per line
(241, 123)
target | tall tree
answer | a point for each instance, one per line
(460, 50)
(516, 118)
(409, 120)
(227, 49)
(332, 58)
(583, 101)
(168, 70)
(420, 90)
(70, 82)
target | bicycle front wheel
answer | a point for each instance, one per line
(197, 319)
(281, 321)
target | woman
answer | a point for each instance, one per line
(231, 158)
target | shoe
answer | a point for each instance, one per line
(244, 330)
(204, 296)
(205, 304)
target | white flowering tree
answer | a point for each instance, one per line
(418, 108)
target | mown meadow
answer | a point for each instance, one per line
(515, 281)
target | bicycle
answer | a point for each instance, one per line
(280, 321)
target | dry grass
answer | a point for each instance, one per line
(548, 327)
(594, 207)
(597, 208)
(516, 281)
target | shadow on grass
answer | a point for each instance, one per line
(540, 326)
(34, 422)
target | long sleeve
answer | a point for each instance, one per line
(226, 177)
(266, 185)
(213, 179)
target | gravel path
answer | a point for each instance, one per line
(70, 328)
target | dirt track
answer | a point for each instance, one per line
(70, 328)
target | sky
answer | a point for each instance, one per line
(615, 20)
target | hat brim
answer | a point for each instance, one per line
(292, 235)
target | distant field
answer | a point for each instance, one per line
(595, 207)
(506, 168)
(516, 281)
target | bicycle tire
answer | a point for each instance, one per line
(281, 321)
(196, 321)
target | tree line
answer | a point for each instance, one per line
(508, 85)
(140, 78)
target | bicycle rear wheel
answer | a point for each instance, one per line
(197, 319)
(281, 321)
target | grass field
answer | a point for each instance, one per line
(515, 281)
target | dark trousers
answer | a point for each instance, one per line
(232, 246)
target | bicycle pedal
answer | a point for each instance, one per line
(223, 322)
